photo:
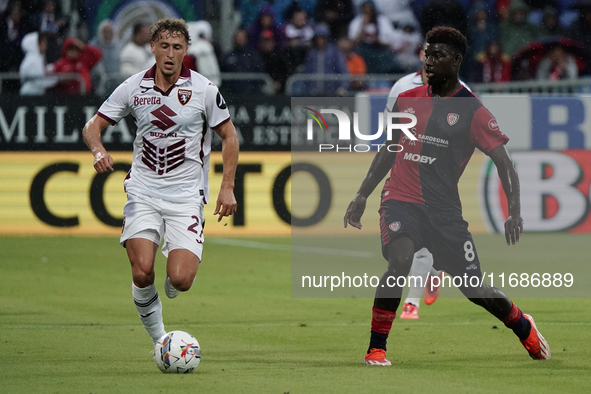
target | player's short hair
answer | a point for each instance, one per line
(449, 36)
(173, 26)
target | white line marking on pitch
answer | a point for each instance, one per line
(293, 248)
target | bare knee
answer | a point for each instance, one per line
(181, 268)
(142, 270)
(400, 256)
(142, 276)
(141, 253)
(181, 283)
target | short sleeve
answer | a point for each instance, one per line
(485, 133)
(117, 105)
(216, 109)
(393, 96)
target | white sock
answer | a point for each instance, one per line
(421, 267)
(149, 307)
(434, 272)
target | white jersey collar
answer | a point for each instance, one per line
(147, 81)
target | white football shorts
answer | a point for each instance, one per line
(151, 218)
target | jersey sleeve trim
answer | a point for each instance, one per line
(105, 117)
(495, 144)
(221, 123)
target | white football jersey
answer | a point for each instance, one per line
(408, 82)
(173, 139)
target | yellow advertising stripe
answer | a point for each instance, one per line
(67, 194)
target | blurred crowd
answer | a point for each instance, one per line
(508, 40)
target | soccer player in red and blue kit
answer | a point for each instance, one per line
(420, 201)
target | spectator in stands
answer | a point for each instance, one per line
(481, 31)
(79, 58)
(449, 13)
(202, 51)
(325, 58)
(373, 34)
(107, 69)
(492, 65)
(242, 59)
(399, 13)
(298, 32)
(249, 11)
(297, 42)
(516, 31)
(502, 9)
(273, 63)
(556, 65)
(551, 26)
(336, 14)
(51, 21)
(407, 43)
(581, 29)
(12, 31)
(355, 64)
(136, 55)
(33, 69)
(265, 21)
(284, 9)
(4, 6)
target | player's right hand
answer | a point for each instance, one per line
(103, 162)
(513, 229)
(355, 211)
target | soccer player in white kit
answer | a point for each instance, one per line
(167, 185)
(422, 263)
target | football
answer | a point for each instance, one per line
(177, 352)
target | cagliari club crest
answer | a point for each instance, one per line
(395, 226)
(184, 96)
(452, 118)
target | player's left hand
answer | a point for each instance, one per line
(226, 204)
(513, 229)
(355, 211)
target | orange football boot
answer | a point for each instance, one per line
(377, 357)
(535, 344)
(409, 311)
(431, 296)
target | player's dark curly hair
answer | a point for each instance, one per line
(449, 36)
(173, 26)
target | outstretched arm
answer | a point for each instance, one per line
(226, 202)
(381, 164)
(91, 132)
(510, 182)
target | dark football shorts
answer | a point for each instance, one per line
(445, 236)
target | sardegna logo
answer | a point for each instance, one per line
(386, 121)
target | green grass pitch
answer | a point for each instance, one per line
(68, 325)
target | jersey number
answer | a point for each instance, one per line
(193, 227)
(469, 249)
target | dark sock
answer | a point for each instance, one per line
(377, 341)
(517, 322)
(522, 328)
